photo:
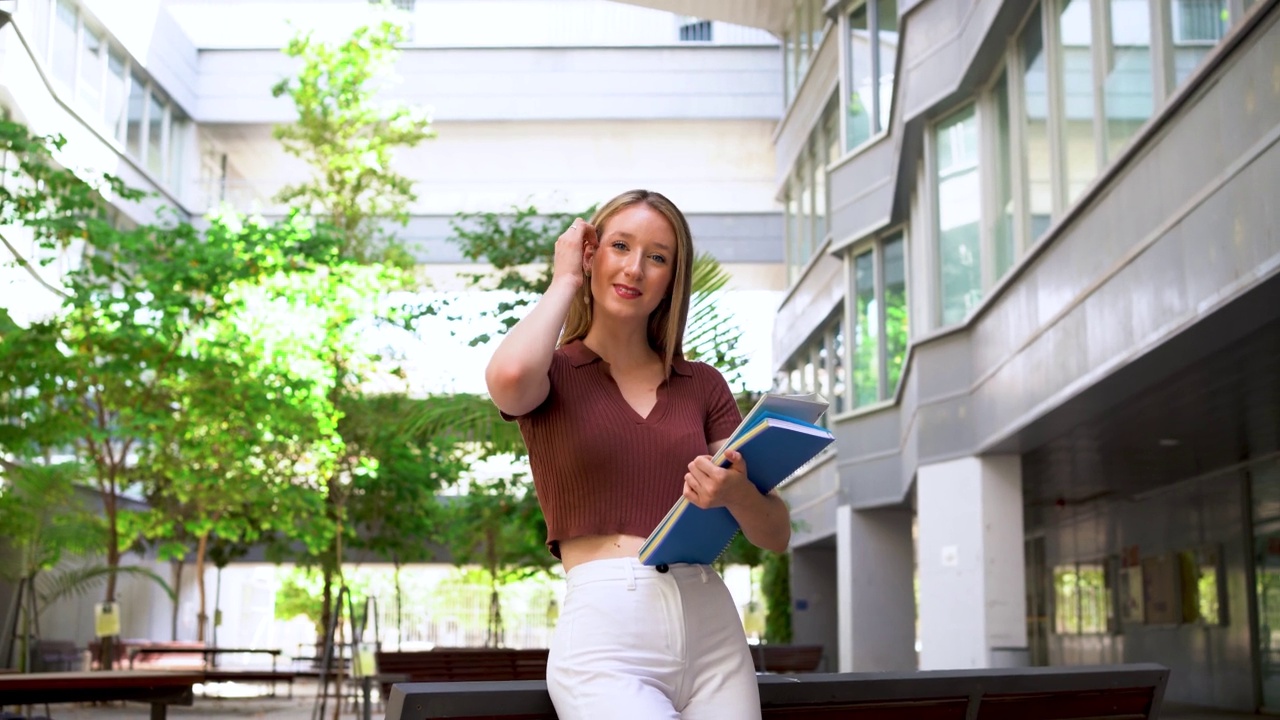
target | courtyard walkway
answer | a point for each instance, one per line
(301, 706)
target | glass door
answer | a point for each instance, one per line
(1264, 485)
(1266, 559)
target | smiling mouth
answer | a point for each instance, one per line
(626, 291)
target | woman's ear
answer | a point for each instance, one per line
(588, 255)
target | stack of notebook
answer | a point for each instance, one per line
(775, 439)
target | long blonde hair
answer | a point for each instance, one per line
(667, 321)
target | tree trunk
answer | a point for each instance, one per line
(326, 609)
(495, 603)
(202, 617)
(107, 660)
(178, 566)
(399, 606)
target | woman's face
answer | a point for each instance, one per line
(632, 268)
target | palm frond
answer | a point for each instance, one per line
(56, 585)
(712, 335)
(465, 418)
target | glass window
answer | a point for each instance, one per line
(822, 384)
(1003, 240)
(92, 50)
(155, 136)
(819, 191)
(858, 120)
(817, 21)
(878, 326)
(831, 130)
(1035, 132)
(136, 108)
(1128, 95)
(1083, 599)
(113, 104)
(818, 366)
(866, 336)
(1075, 23)
(795, 239)
(893, 274)
(838, 390)
(64, 43)
(177, 145)
(789, 63)
(959, 200)
(804, 180)
(800, 42)
(40, 10)
(804, 37)
(806, 196)
(1198, 25)
(887, 47)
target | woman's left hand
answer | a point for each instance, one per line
(708, 485)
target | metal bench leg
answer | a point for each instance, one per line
(158, 711)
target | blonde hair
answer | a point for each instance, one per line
(667, 321)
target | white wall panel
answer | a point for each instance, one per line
(704, 167)
(526, 83)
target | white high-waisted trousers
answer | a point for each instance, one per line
(635, 643)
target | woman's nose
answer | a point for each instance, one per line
(635, 267)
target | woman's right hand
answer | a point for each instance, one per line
(571, 252)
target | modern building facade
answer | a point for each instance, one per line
(1032, 253)
(559, 104)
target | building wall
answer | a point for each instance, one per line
(1125, 270)
(1210, 663)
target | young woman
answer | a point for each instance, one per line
(618, 426)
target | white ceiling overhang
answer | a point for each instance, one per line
(768, 15)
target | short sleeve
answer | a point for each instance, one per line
(557, 367)
(723, 415)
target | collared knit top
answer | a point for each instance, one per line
(599, 468)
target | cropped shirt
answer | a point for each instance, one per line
(599, 468)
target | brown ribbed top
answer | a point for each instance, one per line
(598, 467)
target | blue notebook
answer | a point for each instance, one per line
(774, 445)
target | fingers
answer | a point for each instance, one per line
(573, 250)
(581, 229)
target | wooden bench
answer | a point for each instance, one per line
(786, 658)
(1109, 692)
(159, 689)
(460, 665)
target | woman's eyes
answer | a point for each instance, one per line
(622, 247)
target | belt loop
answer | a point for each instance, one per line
(631, 576)
(703, 569)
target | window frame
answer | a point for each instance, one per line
(802, 241)
(934, 179)
(836, 364)
(875, 244)
(845, 75)
(1111, 625)
(93, 114)
(807, 25)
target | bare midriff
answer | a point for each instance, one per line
(598, 547)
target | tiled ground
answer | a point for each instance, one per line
(303, 707)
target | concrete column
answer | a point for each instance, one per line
(815, 600)
(972, 585)
(875, 560)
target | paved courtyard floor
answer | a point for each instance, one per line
(302, 706)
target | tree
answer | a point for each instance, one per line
(349, 140)
(243, 428)
(497, 525)
(95, 379)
